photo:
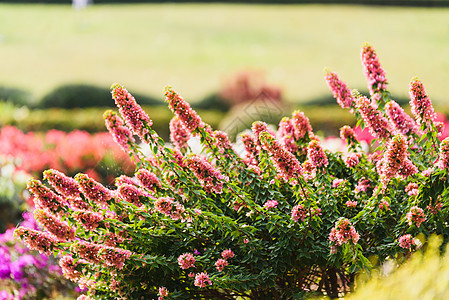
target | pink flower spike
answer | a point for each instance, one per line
(316, 155)
(420, 103)
(36, 240)
(135, 117)
(374, 73)
(399, 118)
(61, 230)
(377, 124)
(64, 185)
(117, 128)
(339, 90)
(45, 198)
(93, 190)
(148, 180)
(301, 124)
(443, 157)
(179, 135)
(183, 111)
(210, 178)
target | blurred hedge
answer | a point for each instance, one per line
(84, 95)
(88, 119)
(434, 3)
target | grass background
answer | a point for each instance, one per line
(196, 47)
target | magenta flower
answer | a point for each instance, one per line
(339, 90)
(406, 241)
(374, 73)
(270, 204)
(179, 135)
(343, 232)
(415, 216)
(202, 280)
(186, 260)
(420, 103)
(316, 155)
(61, 230)
(183, 111)
(220, 264)
(400, 119)
(45, 198)
(377, 124)
(64, 185)
(93, 190)
(135, 117)
(119, 131)
(228, 253)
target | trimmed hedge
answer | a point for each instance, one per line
(84, 95)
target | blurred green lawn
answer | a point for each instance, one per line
(195, 47)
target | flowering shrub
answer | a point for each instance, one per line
(282, 220)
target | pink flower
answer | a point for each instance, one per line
(118, 130)
(384, 205)
(336, 182)
(222, 142)
(202, 279)
(183, 111)
(415, 215)
(227, 254)
(286, 163)
(353, 159)
(286, 133)
(125, 179)
(362, 186)
(246, 241)
(220, 264)
(377, 124)
(164, 205)
(148, 180)
(420, 103)
(36, 240)
(179, 135)
(61, 230)
(210, 178)
(412, 189)
(401, 121)
(252, 150)
(135, 117)
(298, 212)
(45, 198)
(163, 292)
(343, 232)
(406, 241)
(93, 190)
(301, 125)
(66, 186)
(316, 155)
(270, 204)
(374, 73)
(186, 260)
(347, 134)
(131, 193)
(95, 253)
(339, 90)
(434, 209)
(351, 203)
(88, 219)
(443, 158)
(68, 267)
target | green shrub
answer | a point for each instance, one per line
(84, 95)
(16, 96)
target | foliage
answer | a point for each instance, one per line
(282, 219)
(16, 96)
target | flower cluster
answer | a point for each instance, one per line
(378, 125)
(179, 135)
(374, 73)
(416, 216)
(343, 232)
(420, 103)
(406, 241)
(186, 260)
(339, 90)
(211, 178)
